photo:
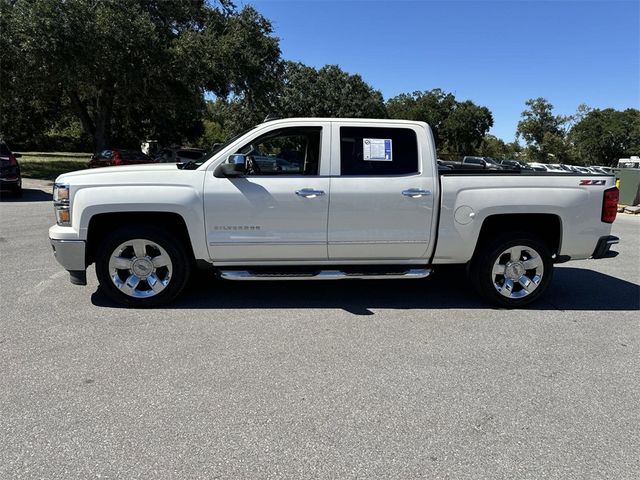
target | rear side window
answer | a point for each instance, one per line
(4, 150)
(378, 151)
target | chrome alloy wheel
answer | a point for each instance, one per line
(517, 272)
(140, 268)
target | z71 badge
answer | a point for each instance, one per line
(592, 182)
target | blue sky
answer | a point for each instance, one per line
(496, 53)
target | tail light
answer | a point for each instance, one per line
(610, 204)
(13, 161)
(117, 159)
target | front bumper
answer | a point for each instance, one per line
(71, 255)
(603, 247)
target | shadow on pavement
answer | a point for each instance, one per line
(28, 195)
(571, 289)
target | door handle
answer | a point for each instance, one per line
(309, 193)
(416, 192)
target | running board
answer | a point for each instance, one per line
(323, 275)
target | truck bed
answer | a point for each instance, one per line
(469, 197)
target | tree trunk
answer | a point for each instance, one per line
(99, 127)
(81, 110)
(102, 136)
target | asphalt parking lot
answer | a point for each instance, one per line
(363, 379)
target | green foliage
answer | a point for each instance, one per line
(327, 92)
(48, 167)
(129, 69)
(458, 127)
(465, 128)
(433, 107)
(499, 149)
(544, 132)
(301, 92)
(602, 137)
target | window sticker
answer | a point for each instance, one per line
(377, 149)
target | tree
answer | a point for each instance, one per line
(604, 136)
(543, 131)
(302, 91)
(458, 127)
(433, 107)
(465, 127)
(132, 68)
(327, 92)
(494, 147)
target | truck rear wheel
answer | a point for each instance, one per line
(142, 266)
(512, 270)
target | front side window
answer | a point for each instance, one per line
(378, 151)
(286, 151)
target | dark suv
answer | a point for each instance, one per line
(10, 178)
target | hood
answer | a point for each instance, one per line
(124, 174)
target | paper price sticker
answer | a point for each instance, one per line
(377, 149)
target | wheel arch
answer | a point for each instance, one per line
(102, 223)
(546, 226)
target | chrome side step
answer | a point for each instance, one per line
(323, 275)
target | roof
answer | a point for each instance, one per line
(343, 119)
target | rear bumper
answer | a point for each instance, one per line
(10, 180)
(71, 255)
(603, 248)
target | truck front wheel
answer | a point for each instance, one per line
(142, 266)
(512, 270)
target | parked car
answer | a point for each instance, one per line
(486, 162)
(633, 162)
(180, 155)
(545, 167)
(369, 202)
(515, 165)
(605, 170)
(113, 158)
(10, 178)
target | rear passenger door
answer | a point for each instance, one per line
(381, 205)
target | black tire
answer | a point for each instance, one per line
(181, 264)
(17, 191)
(481, 269)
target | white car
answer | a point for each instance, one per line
(545, 167)
(359, 198)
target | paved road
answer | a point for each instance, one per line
(410, 379)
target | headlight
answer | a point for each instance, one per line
(60, 193)
(61, 203)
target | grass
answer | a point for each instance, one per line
(47, 166)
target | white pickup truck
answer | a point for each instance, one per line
(326, 199)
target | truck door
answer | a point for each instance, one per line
(382, 192)
(278, 210)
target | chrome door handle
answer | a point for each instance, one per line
(309, 193)
(416, 192)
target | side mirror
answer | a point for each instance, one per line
(235, 166)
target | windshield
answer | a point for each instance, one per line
(193, 164)
(219, 146)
